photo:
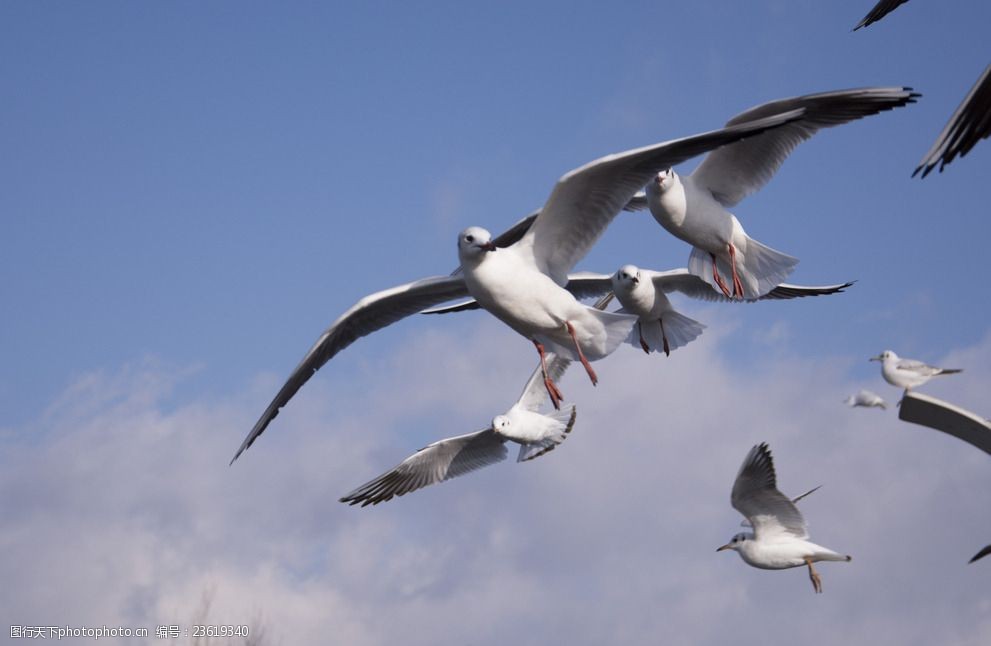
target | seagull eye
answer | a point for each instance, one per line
(470, 238)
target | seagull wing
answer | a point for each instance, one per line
(880, 10)
(585, 200)
(371, 313)
(437, 462)
(755, 495)
(737, 170)
(582, 284)
(917, 367)
(679, 280)
(969, 124)
(984, 552)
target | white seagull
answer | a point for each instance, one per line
(520, 284)
(644, 292)
(694, 207)
(662, 328)
(908, 373)
(867, 399)
(780, 537)
(536, 434)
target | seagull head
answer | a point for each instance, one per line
(501, 424)
(887, 355)
(474, 242)
(735, 543)
(626, 278)
(663, 181)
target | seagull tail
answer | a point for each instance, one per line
(678, 329)
(564, 421)
(759, 267)
(615, 330)
(950, 371)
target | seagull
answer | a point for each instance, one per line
(970, 123)
(962, 424)
(662, 328)
(521, 283)
(644, 292)
(536, 434)
(880, 10)
(779, 540)
(694, 207)
(908, 373)
(984, 552)
(867, 399)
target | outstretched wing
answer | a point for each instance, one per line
(371, 313)
(880, 10)
(679, 280)
(437, 462)
(756, 496)
(737, 170)
(584, 201)
(969, 124)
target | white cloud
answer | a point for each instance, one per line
(121, 509)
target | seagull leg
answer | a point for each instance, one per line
(737, 284)
(643, 344)
(581, 355)
(552, 390)
(664, 337)
(814, 576)
(719, 279)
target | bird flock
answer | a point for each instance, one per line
(525, 278)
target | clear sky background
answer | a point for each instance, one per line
(192, 192)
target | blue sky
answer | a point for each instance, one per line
(194, 191)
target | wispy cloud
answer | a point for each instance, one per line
(125, 512)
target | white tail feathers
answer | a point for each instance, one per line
(564, 421)
(611, 329)
(678, 329)
(759, 267)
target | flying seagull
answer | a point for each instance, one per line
(536, 434)
(644, 292)
(780, 537)
(520, 284)
(694, 207)
(866, 399)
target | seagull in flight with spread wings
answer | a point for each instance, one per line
(536, 433)
(522, 284)
(780, 537)
(694, 207)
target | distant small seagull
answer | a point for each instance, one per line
(780, 532)
(908, 373)
(880, 10)
(694, 207)
(970, 123)
(536, 434)
(984, 552)
(867, 399)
